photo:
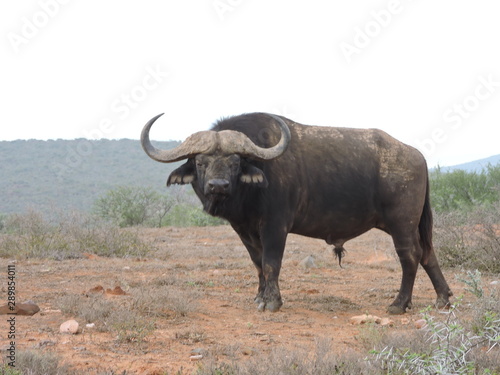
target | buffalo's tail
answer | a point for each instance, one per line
(425, 227)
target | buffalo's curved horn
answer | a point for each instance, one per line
(234, 142)
(197, 143)
(206, 142)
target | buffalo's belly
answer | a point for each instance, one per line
(335, 227)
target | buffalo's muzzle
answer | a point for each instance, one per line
(218, 186)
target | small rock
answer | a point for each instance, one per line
(27, 309)
(362, 319)
(197, 351)
(247, 351)
(386, 322)
(97, 289)
(90, 325)
(421, 323)
(405, 321)
(70, 326)
(196, 357)
(118, 291)
(496, 282)
(308, 262)
(126, 268)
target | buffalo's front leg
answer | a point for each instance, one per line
(253, 245)
(273, 245)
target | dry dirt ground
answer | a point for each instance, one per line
(208, 274)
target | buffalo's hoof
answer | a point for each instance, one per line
(272, 306)
(442, 303)
(396, 310)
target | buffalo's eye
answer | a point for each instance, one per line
(200, 165)
(235, 167)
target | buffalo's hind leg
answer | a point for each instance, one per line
(410, 254)
(443, 291)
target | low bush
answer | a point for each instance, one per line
(450, 345)
(31, 362)
(30, 235)
(469, 240)
(323, 361)
(127, 206)
(189, 215)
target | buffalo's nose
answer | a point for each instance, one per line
(218, 186)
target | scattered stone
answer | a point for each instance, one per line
(421, 323)
(70, 326)
(197, 351)
(363, 319)
(308, 262)
(27, 309)
(97, 289)
(90, 325)
(386, 322)
(496, 282)
(118, 291)
(247, 351)
(405, 321)
(126, 268)
(194, 358)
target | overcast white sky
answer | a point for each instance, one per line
(426, 72)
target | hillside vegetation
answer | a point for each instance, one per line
(71, 175)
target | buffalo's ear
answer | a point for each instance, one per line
(253, 175)
(185, 174)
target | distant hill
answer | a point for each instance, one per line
(474, 166)
(71, 175)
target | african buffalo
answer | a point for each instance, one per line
(269, 176)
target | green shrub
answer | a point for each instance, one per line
(133, 206)
(128, 206)
(189, 215)
(462, 190)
